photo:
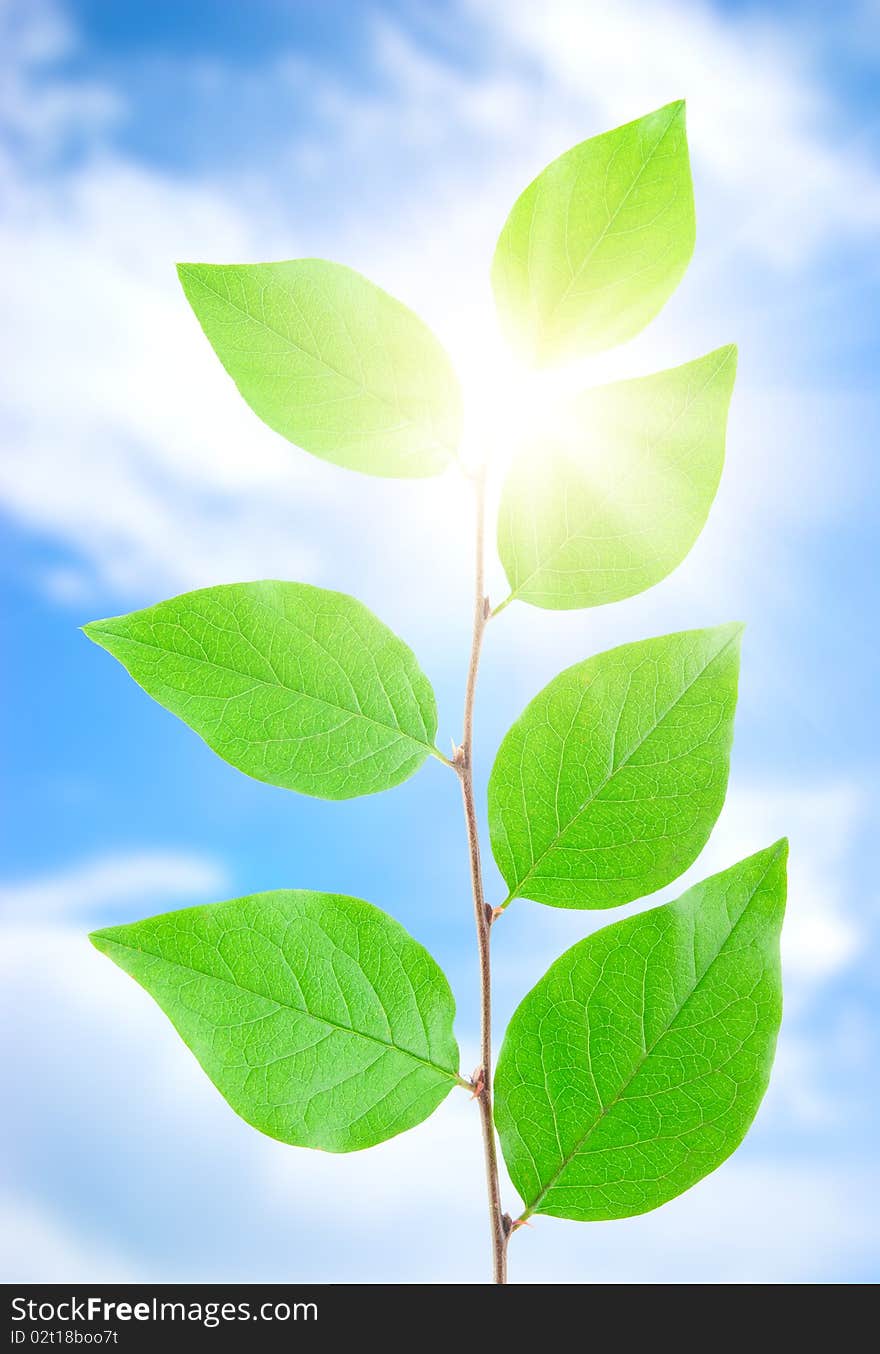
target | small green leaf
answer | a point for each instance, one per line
(292, 684)
(331, 362)
(607, 786)
(318, 1017)
(613, 500)
(638, 1062)
(597, 244)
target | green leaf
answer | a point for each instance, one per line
(292, 684)
(613, 500)
(638, 1062)
(318, 1017)
(597, 244)
(331, 362)
(607, 786)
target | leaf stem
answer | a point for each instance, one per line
(501, 605)
(499, 1225)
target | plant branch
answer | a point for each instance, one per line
(499, 1224)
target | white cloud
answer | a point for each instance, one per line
(825, 923)
(37, 1246)
(41, 118)
(120, 879)
(828, 928)
(761, 125)
(95, 1044)
(412, 1208)
(124, 441)
(749, 1223)
(825, 926)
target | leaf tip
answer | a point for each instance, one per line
(676, 108)
(107, 939)
(731, 632)
(727, 361)
(779, 849)
(93, 630)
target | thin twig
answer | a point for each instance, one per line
(463, 762)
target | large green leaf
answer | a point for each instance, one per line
(597, 244)
(638, 1062)
(332, 362)
(614, 497)
(318, 1017)
(607, 786)
(292, 684)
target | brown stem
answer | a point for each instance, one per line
(463, 761)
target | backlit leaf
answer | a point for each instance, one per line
(615, 494)
(599, 241)
(332, 362)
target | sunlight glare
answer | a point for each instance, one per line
(507, 404)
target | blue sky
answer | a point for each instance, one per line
(394, 137)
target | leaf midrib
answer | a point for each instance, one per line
(276, 685)
(577, 1149)
(409, 420)
(387, 1044)
(518, 887)
(644, 454)
(560, 301)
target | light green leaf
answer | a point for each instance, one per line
(597, 244)
(607, 786)
(615, 495)
(332, 362)
(638, 1062)
(292, 684)
(318, 1017)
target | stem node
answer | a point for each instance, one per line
(463, 762)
